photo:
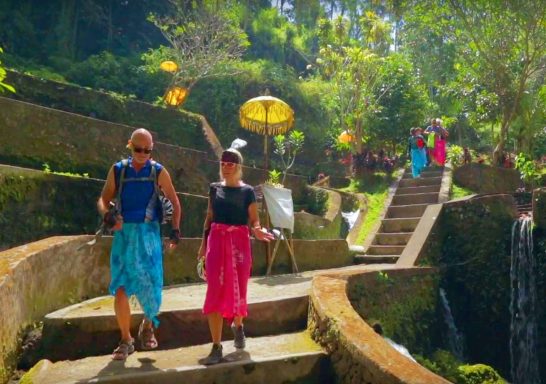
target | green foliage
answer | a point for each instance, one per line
(458, 192)
(4, 86)
(375, 189)
(455, 155)
(479, 374)
(204, 40)
(47, 169)
(443, 363)
(401, 103)
(289, 147)
(274, 178)
(528, 170)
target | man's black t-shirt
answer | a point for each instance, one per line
(230, 204)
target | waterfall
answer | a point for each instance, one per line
(455, 338)
(523, 303)
(350, 218)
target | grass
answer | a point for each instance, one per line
(376, 189)
(458, 192)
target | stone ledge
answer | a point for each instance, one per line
(358, 354)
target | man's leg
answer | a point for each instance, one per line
(123, 314)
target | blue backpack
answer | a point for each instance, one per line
(166, 211)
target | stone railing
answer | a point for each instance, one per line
(358, 354)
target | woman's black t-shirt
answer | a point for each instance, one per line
(230, 204)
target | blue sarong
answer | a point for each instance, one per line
(418, 161)
(136, 264)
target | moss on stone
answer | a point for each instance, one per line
(406, 308)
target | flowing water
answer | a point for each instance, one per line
(523, 305)
(454, 337)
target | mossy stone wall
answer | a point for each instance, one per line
(471, 245)
(171, 126)
(481, 178)
(36, 135)
(35, 205)
(405, 304)
(539, 208)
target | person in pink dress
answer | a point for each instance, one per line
(226, 249)
(436, 142)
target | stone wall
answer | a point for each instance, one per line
(35, 205)
(67, 142)
(405, 303)
(170, 125)
(481, 178)
(471, 245)
(360, 355)
(539, 208)
(44, 276)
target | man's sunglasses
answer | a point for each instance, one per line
(142, 150)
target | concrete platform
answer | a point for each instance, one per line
(293, 358)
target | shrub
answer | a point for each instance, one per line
(479, 374)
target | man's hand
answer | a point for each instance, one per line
(174, 238)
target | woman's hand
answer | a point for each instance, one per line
(262, 234)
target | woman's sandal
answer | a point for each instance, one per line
(124, 349)
(146, 337)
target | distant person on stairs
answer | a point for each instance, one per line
(227, 253)
(136, 259)
(417, 151)
(436, 142)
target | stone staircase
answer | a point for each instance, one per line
(77, 340)
(403, 214)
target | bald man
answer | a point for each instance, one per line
(136, 261)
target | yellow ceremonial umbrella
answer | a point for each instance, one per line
(175, 96)
(267, 116)
(169, 66)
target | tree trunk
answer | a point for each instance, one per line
(499, 149)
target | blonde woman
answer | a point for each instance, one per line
(227, 252)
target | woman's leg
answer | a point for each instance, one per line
(123, 314)
(215, 325)
(238, 321)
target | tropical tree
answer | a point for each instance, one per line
(504, 46)
(205, 40)
(353, 69)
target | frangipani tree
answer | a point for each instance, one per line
(204, 41)
(353, 70)
(287, 148)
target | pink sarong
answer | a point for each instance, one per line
(228, 264)
(440, 151)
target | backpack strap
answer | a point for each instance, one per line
(121, 180)
(152, 204)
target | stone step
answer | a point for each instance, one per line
(404, 211)
(414, 190)
(417, 198)
(399, 225)
(376, 259)
(396, 238)
(424, 174)
(421, 181)
(90, 328)
(385, 249)
(287, 358)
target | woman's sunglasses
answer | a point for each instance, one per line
(227, 164)
(142, 150)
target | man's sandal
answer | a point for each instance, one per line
(146, 337)
(124, 349)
